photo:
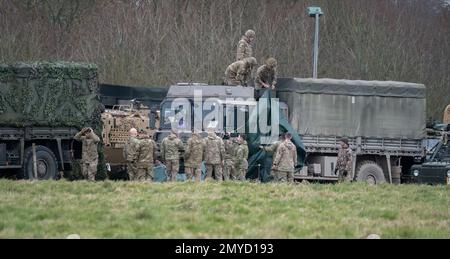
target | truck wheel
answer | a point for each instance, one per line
(47, 166)
(371, 173)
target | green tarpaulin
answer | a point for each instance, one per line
(260, 162)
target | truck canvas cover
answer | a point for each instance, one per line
(59, 94)
(331, 107)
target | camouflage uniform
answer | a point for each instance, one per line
(272, 149)
(285, 161)
(240, 72)
(214, 156)
(241, 157)
(170, 148)
(131, 155)
(90, 154)
(344, 164)
(194, 157)
(245, 49)
(146, 159)
(228, 167)
(265, 74)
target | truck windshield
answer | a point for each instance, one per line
(443, 153)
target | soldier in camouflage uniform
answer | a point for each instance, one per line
(146, 158)
(131, 154)
(344, 161)
(266, 75)
(194, 157)
(245, 49)
(272, 149)
(90, 154)
(214, 156)
(240, 72)
(170, 154)
(241, 158)
(285, 160)
(228, 167)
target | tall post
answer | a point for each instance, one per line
(316, 47)
(315, 12)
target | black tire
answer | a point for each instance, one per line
(46, 163)
(371, 173)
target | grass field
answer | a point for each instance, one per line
(229, 210)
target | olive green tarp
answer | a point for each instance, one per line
(260, 162)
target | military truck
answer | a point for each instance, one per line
(42, 107)
(384, 121)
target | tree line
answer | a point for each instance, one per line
(160, 42)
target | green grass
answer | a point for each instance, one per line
(229, 210)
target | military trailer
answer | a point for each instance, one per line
(42, 107)
(384, 121)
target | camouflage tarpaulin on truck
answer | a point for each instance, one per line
(49, 94)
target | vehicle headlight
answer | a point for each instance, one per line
(416, 173)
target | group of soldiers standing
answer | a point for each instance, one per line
(225, 159)
(240, 72)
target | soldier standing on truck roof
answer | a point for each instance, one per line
(214, 156)
(241, 157)
(240, 72)
(344, 161)
(272, 149)
(131, 154)
(245, 49)
(230, 148)
(170, 154)
(194, 157)
(285, 160)
(90, 154)
(146, 157)
(266, 75)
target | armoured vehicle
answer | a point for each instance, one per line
(117, 122)
(42, 107)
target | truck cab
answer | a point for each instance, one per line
(436, 168)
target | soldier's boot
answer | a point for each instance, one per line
(140, 175)
(150, 175)
(209, 172)
(290, 177)
(219, 173)
(341, 176)
(174, 176)
(92, 171)
(226, 172)
(242, 174)
(85, 171)
(198, 175)
(189, 173)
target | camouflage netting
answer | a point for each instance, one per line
(49, 94)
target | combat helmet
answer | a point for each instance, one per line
(271, 62)
(250, 34)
